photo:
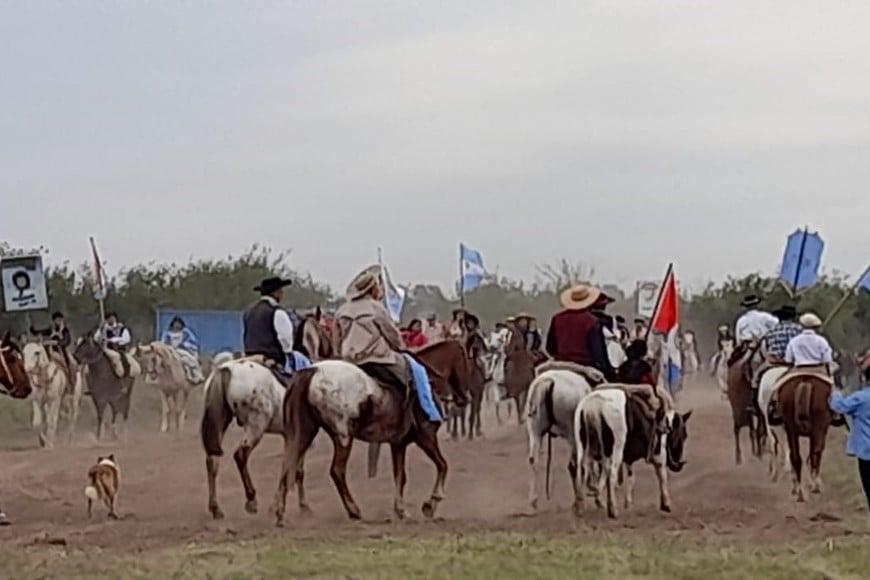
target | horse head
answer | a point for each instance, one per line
(14, 380)
(35, 357)
(676, 441)
(87, 350)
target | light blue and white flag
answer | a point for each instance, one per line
(801, 260)
(471, 268)
(394, 296)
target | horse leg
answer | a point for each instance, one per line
(534, 453)
(400, 478)
(74, 401)
(164, 411)
(427, 440)
(476, 405)
(36, 414)
(254, 431)
(738, 457)
(212, 463)
(373, 456)
(338, 472)
(817, 447)
(181, 409)
(794, 446)
(99, 408)
(521, 405)
(51, 419)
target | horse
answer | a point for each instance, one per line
(803, 402)
(52, 393)
(768, 385)
(742, 398)
(162, 368)
(553, 398)
(106, 388)
(469, 416)
(14, 381)
(719, 364)
(519, 372)
(348, 404)
(689, 352)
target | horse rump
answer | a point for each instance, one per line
(296, 405)
(216, 414)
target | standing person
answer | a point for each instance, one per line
(857, 407)
(456, 330)
(433, 330)
(268, 330)
(575, 332)
(117, 338)
(413, 336)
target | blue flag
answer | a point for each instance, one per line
(395, 297)
(865, 280)
(471, 267)
(802, 260)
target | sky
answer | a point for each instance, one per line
(622, 135)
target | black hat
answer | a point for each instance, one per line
(786, 312)
(57, 315)
(750, 301)
(270, 285)
(472, 319)
(636, 350)
(620, 319)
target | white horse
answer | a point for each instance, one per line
(719, 364)
(494, 365)
(248, 391)
(52, 393)
(552, 400)
(777, 444)
(162, 367)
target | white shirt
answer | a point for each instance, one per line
(282, 324)
(754, 325)
(123, 339)
(807, 349)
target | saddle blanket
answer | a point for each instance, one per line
(423, 388)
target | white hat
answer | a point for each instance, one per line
(810, 320)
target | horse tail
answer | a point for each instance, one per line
(217, 414)
(548, 386)
(296, 404)
(803, 405)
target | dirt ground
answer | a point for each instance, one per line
(163, 498)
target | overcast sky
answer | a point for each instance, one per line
(621, 134)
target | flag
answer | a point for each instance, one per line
(395, 297)
(666, 320)
(801, 260)
(864, 282)
(99, 281)
(471, 268)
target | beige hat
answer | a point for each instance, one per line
(580, 297)
(363, 283)
(810, 320)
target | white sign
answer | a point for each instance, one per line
(23, 284)
(647, 295)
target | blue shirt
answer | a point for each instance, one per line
(857, 407)
(777, 339)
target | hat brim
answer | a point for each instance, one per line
(272, 288)
(570, 304)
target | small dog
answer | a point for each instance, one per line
(105, 483)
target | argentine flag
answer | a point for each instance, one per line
(666, 320)
(471, 268)
(395, 297)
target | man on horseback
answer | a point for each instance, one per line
(366, 336)
(433, 330)
(777, 340)
(809, 348)
(117, 338)
(754, 324)
(268, 330)
(57, 339)
(576, 333)
(457, 330)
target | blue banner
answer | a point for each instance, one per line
(802, 260)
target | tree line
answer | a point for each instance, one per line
(227, 284)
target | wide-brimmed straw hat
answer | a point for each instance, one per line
(810, 320)
(524, 316)
(363, 283)
(580, 297)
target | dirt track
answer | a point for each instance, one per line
(163, 500)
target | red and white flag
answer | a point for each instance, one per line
(666, 320)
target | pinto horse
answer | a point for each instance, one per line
(803, 403)
(348, 404)
(743, 400)
(14, 381)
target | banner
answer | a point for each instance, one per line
(647, 295)
(801, 260)
(23, 284)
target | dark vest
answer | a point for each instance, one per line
(260, 336)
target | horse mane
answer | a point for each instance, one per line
(167, 354)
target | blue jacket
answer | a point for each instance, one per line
(188, 341)
(857, 407)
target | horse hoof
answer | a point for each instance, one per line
(535, 504)
(578, 509)
(356, 516)
(216, 513)
(4, 521)
(305, 509)
(279, 523)
(611, 513)
(665, 508)
(429, 510)
(251, 506)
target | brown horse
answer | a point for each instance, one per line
(14, 381)
(743, 400)
(519, 372)
(341, 399)
(468, 418)
(803, 404)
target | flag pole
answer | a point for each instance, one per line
(845, 297)
(461, 280)
(659, 299)
(383, 276)
(98, 267)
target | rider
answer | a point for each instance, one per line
(624, 333)
(367, 337)
(753, 324)
(724, 333)
(809, 348)
(117, 338)
(58, 340)
(640, 330)
(184, 341)
(268, 329)
(433, 329)
(636, 370)
(457, 330)
(575, 333)
(777, 339)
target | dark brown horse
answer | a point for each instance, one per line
(744, 402)
(803, 405)
(467, 419)
(106, 388)
(341, 399)
(14, 381)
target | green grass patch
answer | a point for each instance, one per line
(456, 557)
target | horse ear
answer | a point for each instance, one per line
(686, 416)
(7, 336)
(111, 457)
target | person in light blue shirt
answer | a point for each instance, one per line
(857, 407)
(184, 341)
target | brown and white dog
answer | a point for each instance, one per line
(105, 483)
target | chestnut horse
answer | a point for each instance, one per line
(803, 405)
(348, 404)
(14, 381)
(743, 400)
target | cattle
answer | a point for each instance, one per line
(617, 425)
